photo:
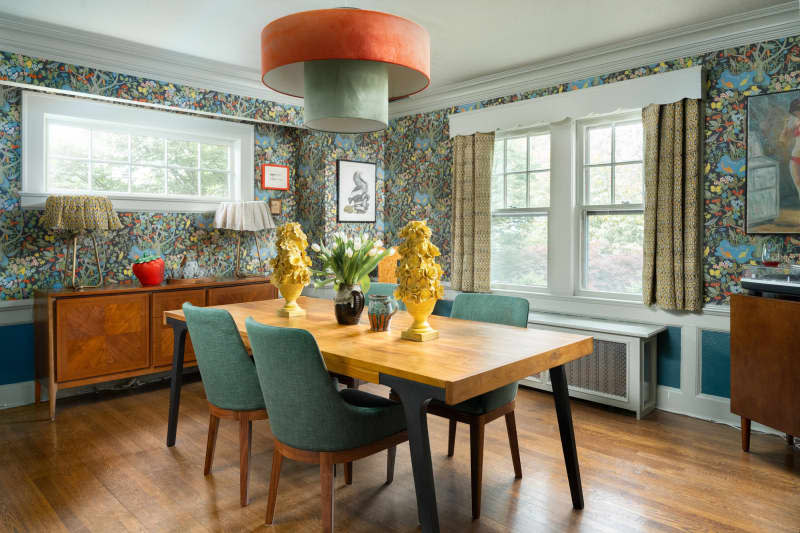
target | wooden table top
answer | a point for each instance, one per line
(469, 358)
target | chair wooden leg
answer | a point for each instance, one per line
(451, 439)
(511, 426)
(211, 444)
(745, 434)
(391, 453)
(245, 439)
(348, 473)
(274, 477)
(326, 487)
(476, 431)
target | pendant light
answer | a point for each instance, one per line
(346, 63)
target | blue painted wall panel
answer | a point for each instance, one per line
(716, 363)
(669, 357)
(16, 353)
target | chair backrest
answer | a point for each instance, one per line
(384, 289)
(508, 310)
(305, 408)
(229, 376)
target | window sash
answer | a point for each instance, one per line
(516, 213)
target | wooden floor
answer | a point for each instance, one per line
(103, 466)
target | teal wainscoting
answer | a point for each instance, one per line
(715, 354)
(669, 357)
(16, 353)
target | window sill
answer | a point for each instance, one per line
(35, 200)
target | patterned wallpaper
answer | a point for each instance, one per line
(419, 156)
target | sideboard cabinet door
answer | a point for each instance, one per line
(101, 335)
(162, 335)
(241, 293)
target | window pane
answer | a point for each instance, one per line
(540, 152)
(147, 150)
(181, 181)
(519, 250)
(214, 156)
(214, 184)
(68, 174)
(147, 179)
(628, 184)
(539, 189)
(628, 142)
(598, 181)
(182, 153)
(110, 178)
(517, 190)
(516, 154)
(497, 192)
(614, 252)
(599, 145)
(497, 160)
(110, 146)
(67, 141)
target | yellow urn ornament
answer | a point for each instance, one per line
(291, 267)
(418, 279)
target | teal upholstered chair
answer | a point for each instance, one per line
(478, 411)
(230, 381)
(311, 420)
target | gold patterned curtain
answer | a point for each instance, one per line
(471, 227)
(671, 270)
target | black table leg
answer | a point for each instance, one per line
(176, 377)
(561, 395)
(415, 398)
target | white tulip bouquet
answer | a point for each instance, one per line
(348, 261)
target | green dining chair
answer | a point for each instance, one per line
(479, 411)
(311, 420)
(230, 382)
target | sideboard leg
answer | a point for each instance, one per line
(51, 397)
(37, 387)
(745, 434)
(176, 378)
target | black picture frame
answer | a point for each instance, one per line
(356, 192)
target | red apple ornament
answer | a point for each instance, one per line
(149, 270)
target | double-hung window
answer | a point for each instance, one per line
(520, 209)
(142, 159)
(610, 198)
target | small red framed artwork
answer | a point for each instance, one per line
(275, 177)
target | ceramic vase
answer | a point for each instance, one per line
(349, 303)
(380, 311)
(290, 292)
(420, 330)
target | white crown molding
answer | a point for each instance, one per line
(68, 45)
(754, 26)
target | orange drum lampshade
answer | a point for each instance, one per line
(346, 63)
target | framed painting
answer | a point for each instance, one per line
(275, 177)
(355, 191)
(773, 163)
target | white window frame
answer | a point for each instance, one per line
(39, 108)
(525, 211)
(581, 211)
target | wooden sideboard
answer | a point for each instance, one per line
(765, 363)
(96, 335)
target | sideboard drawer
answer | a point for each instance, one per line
(241, 293)
(162, 335)
(101, 335)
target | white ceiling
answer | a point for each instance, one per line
(469, 38)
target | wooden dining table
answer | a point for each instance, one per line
(468, 359)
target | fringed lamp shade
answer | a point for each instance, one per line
(80, 214)
(347, 64)
(244, 216)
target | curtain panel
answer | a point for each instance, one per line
(471, 226)
(671, 268)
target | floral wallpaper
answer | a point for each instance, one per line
(419, 155)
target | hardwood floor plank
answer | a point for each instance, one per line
(103, 466)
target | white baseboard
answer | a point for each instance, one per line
(16, 394)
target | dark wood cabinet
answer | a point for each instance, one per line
(765, 363)
(96, 335)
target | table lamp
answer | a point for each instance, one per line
(244, 216)
(80, 214)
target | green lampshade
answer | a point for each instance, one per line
(346, 96)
